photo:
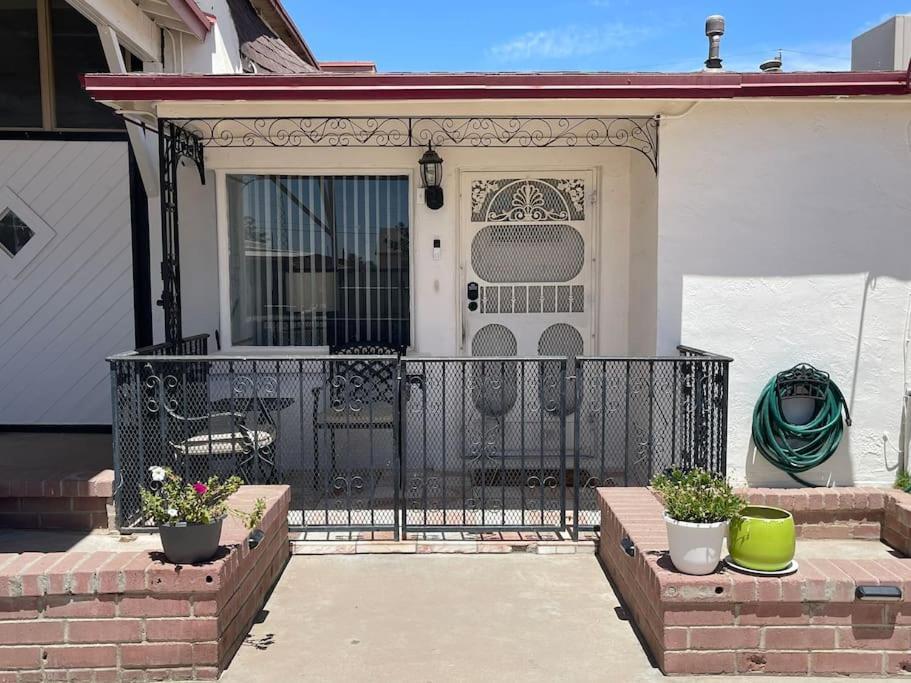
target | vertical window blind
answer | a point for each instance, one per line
(319, 260)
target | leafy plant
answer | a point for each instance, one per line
(697, 496)
(176, 501)
(253, 518)
(903, 480)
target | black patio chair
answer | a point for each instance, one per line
(359, 394)
(242, 441)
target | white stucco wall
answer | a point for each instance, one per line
(784, 237)
(198, 255)
(643, 257)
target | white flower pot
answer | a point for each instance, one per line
(695, 548)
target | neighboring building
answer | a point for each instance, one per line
(74, 228)
(886, 47)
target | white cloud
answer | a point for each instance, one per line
(570, 41)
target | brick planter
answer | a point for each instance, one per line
(806, 623)
(110, 616)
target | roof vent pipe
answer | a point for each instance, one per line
(714, 29)
(771, 65)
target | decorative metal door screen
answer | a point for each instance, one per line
(527, 249)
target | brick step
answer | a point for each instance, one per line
(58, 499)
(56, 481)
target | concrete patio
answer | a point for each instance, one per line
(435, 618)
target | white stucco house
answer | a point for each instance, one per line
(603, 216)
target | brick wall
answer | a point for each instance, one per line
(897, 528)
(836, 513)
(106, 616)
(728, 622)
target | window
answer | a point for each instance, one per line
(19, 70)
(14, 233)
(23, 234)
(319, 260)
(45, 45)
(76, 49)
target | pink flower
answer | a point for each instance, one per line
(200, 488)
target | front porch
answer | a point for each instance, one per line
(475, 362)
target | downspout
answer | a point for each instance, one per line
(903, 435)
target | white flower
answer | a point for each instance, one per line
(158, 473)
(172, 512)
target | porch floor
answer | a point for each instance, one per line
(433, 618)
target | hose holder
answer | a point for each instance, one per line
(811, 440)
(805, 381)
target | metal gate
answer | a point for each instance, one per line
(484, 444)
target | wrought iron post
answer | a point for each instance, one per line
(173, 143)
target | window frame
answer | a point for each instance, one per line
(223, 244)
(49, 125)
(12, 265)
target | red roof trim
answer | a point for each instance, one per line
(468, 86)
(196, 20)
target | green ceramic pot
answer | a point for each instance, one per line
(762, 538)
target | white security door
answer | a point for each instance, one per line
(527, 250)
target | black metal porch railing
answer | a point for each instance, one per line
(197, 345)
(417, 444)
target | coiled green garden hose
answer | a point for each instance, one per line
(796, 448)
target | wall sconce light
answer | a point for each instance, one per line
(432, 175)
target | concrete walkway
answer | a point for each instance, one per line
(444, 618)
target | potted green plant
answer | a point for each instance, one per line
(189, 515)
(697, 508)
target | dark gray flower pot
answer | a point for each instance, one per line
(190, 543)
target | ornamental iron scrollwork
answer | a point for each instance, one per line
(631, 132)
(175, 142)
(528, 200)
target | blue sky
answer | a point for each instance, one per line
(589, 35)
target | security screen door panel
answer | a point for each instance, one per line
(527, 255)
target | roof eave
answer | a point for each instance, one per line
(373, 86)
(197, 21)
